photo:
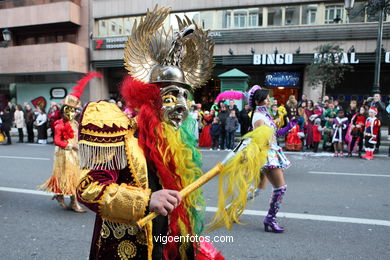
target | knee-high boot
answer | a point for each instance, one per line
(270, 219)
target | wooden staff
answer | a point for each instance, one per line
(187, 190)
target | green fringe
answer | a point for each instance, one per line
(196, 215)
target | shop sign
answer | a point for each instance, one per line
(282, 79)
(273, 59)
(58, 93)
(110, 43)
(214, 34)
(343, 57)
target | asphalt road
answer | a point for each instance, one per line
(334, 208)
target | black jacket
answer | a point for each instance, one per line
(215, 129)
(7, 121)
(223, 115)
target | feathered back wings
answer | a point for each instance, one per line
(150, 44)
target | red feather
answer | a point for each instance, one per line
(137, 93)
(78, 89)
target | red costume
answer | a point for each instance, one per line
(66, 167)
(205, 137)
(293, 142)
(371, 129)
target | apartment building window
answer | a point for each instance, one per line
(227, 19)
(334, 14)
(309, 14)
(292, 15)
(275, 16)
(240, 19)
(255, 17)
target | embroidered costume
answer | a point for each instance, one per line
(339, 125)
(126, 160)
(371, 130)
(276, 157)
(66, 168)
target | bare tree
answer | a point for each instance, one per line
(328, 67)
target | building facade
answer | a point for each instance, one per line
(48, 51)
(271, 41)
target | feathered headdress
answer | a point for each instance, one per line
(73, 99)
(156, 55)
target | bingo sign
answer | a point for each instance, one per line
(282, 79)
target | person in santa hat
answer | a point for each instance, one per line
(371, 129)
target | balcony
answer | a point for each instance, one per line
(55, 12)
(44, 58)
(18, 3)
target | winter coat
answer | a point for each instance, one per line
(7, 121)
(19, 119)
(231, 124)
(215, 130)
(30, 117)
(223, 115)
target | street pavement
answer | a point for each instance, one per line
(334, 208)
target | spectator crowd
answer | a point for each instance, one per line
(322, 125)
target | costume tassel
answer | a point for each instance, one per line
(237, 176)
(98, 157)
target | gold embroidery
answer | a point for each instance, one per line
(126, 250)
(118, 230)
(104, 114)
(136, 160)
(103, 134)
(132, 230)
(105, 231)
(141, 238)
(99, 243)
(91, 193)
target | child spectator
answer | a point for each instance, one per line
(329, 115)
(339, 126)
(317, 133)
(356, 131)
(231, 128)
(371, 130)
(215, 132)
(205, 137)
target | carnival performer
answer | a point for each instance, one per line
(371, 129)
(134, 166)
(356, 131)
(66, 169)
(258, 98)
(339, 127)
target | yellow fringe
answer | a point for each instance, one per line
(237, 176)
(66, 173)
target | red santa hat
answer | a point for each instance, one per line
(373, 110)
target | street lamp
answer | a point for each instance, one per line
(6, 37)
(348, 4)
(374, 6)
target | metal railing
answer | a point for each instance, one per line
(18, 3)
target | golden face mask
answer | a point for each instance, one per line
(174, 109)
(69, 113)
